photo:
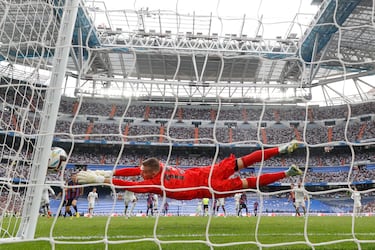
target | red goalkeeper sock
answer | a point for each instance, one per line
(256, 156)
(265, 179)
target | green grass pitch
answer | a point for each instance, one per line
(195, 232)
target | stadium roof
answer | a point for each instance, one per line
(160, 54)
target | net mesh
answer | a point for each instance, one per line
(182, 87)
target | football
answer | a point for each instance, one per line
(57, 159)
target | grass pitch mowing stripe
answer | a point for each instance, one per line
(223, 233)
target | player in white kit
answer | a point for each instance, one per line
(44, 203)
(237, 198)
(129, 197)
(356, 196)
(300, 199)
(92, 197)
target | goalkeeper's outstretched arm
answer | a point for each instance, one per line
(146, 186)
(127, 171)
(119, 172)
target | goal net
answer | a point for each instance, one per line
(189, 84)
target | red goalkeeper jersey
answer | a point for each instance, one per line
(185, 184)
(198, 182)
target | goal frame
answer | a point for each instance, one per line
(44, 139)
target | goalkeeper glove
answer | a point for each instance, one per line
(89, 177)
(106, 174)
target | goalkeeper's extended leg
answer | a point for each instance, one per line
(259, 155)
(269, 178)
(251, 182)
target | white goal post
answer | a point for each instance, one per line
(38, 16)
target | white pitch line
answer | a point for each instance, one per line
(200, 235)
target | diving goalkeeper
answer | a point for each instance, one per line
(194, 183)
